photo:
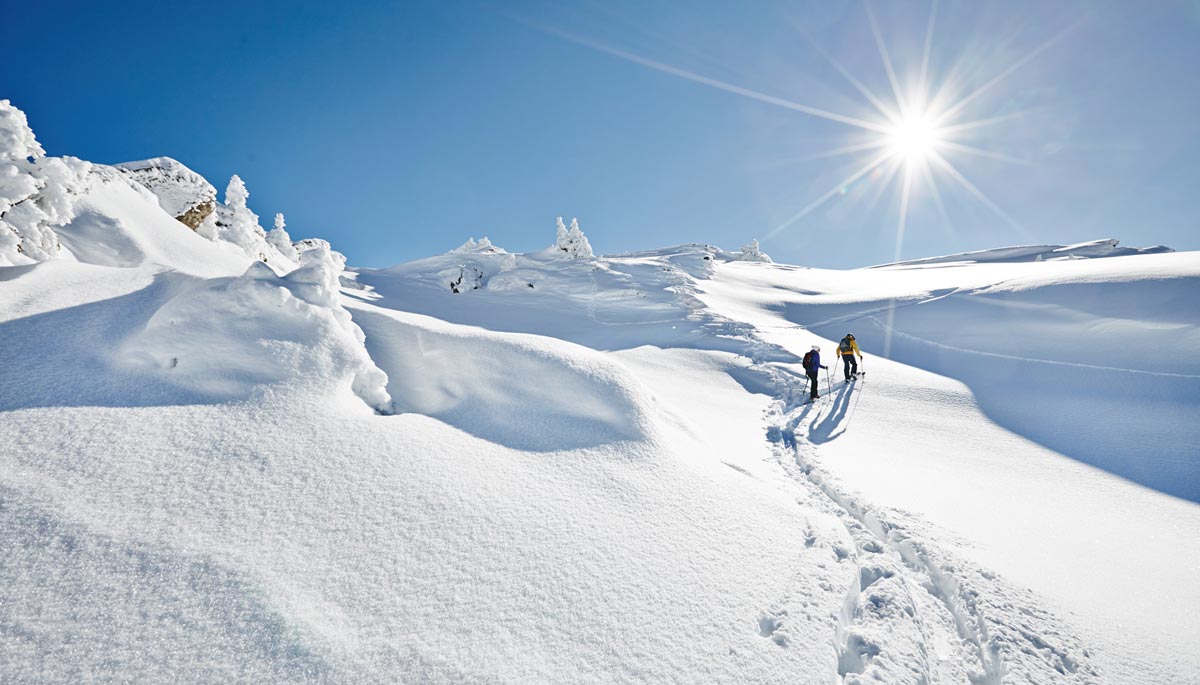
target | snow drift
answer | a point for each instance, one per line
(225, 337)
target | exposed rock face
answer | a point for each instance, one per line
(195, 216)
(183, 193)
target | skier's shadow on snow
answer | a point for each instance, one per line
(832, 424)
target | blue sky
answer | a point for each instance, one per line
(397, 130)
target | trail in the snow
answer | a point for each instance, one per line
(917, 613)
(960, 623)
(966, 618)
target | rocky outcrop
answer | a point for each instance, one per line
(183, 193)
(195, 216)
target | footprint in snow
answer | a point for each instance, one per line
(769, 626)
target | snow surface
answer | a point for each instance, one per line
(590, 470)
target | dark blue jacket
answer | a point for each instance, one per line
(814, 362)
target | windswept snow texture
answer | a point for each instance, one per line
(1108, 247)
(597, 470)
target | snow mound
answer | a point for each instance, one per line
(480, 382)
(272, 331)
(1036, 253)
(181, 192)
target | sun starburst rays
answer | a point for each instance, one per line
(913, 135)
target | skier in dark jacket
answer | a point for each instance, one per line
(812, 364)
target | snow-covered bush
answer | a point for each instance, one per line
(280, 240)
(752, 253)
(288, 330)
(36, 192)
(572, 241)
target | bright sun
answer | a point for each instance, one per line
(913, 139)
(911, 136)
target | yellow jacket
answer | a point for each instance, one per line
(853, 349)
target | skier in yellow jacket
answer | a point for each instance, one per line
(847, 348)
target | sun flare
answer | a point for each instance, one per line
(914, 139)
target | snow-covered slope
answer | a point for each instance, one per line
(494, 467)
(1007, 386)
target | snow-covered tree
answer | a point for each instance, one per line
(572, 241)
(280, 240)
(237, 224)
(752, 253)
(16, 138)
(36, 192)
(236, 194)
(561, 239)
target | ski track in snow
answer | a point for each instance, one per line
(935, 594)
(960, 621)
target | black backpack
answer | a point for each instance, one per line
(808, 361)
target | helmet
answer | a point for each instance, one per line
(849, 336)
(816, 348)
